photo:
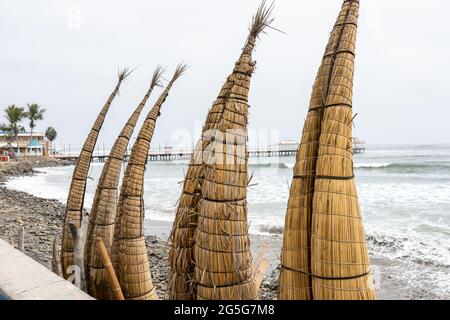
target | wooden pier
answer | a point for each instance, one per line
(155, 156)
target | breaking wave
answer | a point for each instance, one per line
(424, 167)
(418, 250)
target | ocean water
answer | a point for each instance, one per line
(404, 195)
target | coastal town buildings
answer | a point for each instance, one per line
(287, 145)
(26, 144)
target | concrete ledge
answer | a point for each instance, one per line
(22, 278)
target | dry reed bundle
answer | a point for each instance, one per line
(295, 281)
(129, 252)
(222, 256)
(182, 235)
(339, 257)
(75, 200)
(181, 255)
(103, 213)
(181, 278)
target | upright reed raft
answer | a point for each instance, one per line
(339, 257)
(181, 256)
(324, 251)
(75, 199)
(129, 252)
(296, 251)
(104, 207)
(222, 256)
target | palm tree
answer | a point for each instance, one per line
(6, 129)
(51, 135)
(14, 115)
(35, 113)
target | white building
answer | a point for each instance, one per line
(26, 145)
(288, 145)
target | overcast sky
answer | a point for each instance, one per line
(64, 55)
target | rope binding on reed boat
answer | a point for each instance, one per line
(324, 177)
(327, 278)
(346, 105)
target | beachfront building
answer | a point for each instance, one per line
(358, 146)
(287, 145)
(35, 148)
(26, 145)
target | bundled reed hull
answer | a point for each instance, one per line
(324, 251)
(340, 261)
(295, 281)
(222, 245)
(104, 208)
(129, 252)
(181, 255)
(223, 261)
(229, 111)
(75, 199)
(181, 258)
(133, 267)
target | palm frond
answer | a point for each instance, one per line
(5, 127)
(34, 112)
(14, 114)
(51, 133)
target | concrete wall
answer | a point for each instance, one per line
(22, 278)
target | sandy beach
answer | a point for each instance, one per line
(42, 222)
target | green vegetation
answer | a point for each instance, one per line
(51, 135)
(15, 115)
(34, 114)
